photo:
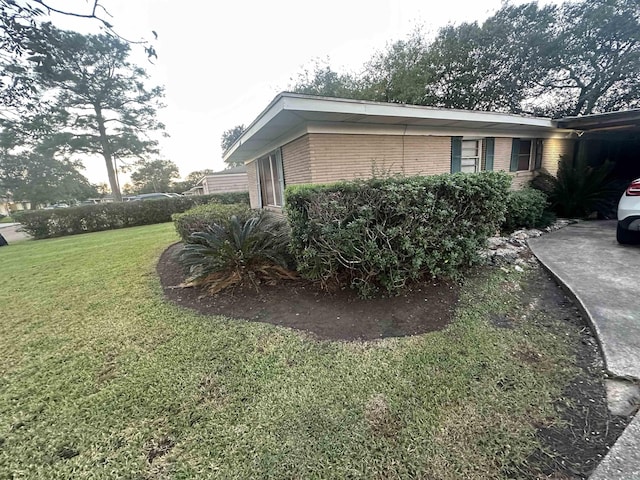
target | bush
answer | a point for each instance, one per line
(379, 235)
(109, 216)
(198, 218)
(579, 189)
(526, 209)
(238, 251)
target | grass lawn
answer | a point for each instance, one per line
(100, 377)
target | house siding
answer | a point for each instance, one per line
(225, 183)
(553, 149)
(252, 178)
(296, 161)
(346, 157)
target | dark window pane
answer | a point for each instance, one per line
(524, 154)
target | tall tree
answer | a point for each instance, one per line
(21, 25)
(230, 136)
(322, 80)
(35, 173)
(154, 176)
(100, 101)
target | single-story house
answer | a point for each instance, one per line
(230, 180)
(301, 139)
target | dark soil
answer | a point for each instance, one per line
(571, 450)
(300, 304)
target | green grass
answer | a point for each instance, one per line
(98, 374)
(6, 220)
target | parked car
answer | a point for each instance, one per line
(149, 196)
(628, 231)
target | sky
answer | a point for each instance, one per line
(221, 63)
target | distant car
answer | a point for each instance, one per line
(628, 231)
(56, 205)
(150, 196)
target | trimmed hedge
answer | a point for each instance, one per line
(109, 216)
(376, 236)
(197, 219)
(526, 209)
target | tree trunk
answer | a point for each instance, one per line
(108, 157)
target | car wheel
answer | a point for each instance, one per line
(627, 237)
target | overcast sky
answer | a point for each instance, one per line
(223, 62)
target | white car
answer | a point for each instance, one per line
(628, 231)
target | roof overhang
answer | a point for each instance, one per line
(628, 120)
(291, 115)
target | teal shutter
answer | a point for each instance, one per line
(515, 150)
(456, 154)
(490, 143)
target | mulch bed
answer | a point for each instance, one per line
(299, 304)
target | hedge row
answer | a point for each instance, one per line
(197, 219)
(376, 236)
(109, 216)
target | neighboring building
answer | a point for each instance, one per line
(302, 139)
(230, 180)
(8, 206)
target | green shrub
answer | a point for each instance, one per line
(109, 216)
(379, 235)
(579, 189)
(238, 251)
(526, 209)
(198, 218)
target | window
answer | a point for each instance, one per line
(524, 155)
(270, 180)
(470, 159)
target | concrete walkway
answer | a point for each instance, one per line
(604, 279)
(11, 234)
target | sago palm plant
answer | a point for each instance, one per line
(238, 252)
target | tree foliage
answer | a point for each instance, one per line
(230, 136)
(22, 26)
(154, 176)
(570, 59)
(36, 174)
(99, 103)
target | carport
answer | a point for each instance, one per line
(611, 136)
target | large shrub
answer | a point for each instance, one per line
(378, 235)
(526, 208)
(238, 250)
(197, 219)
(579, 189)
(109, 216)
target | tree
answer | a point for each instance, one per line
(154, 176)
(323, 81)
(33, 173)
(21, 26)
(230, 136)
(571, 59)
(190, 180)
(595, 66)
(100, 102)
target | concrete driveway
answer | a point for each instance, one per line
(11, 234)
(604, 278)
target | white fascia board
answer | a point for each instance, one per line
(275, 107)
(410, 130)
(373, 109)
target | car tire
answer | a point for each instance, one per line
(627, 237)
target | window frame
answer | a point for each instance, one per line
(477, 158)
(269, 169)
